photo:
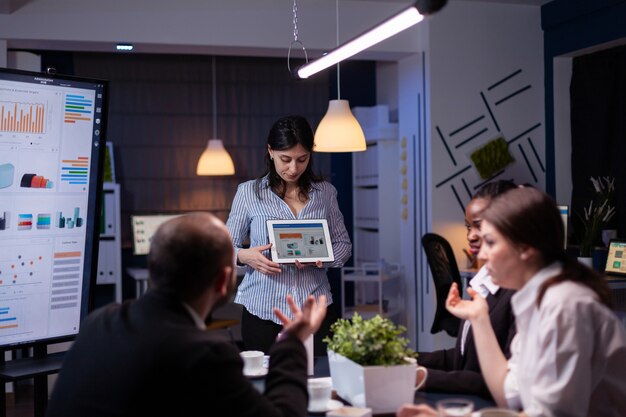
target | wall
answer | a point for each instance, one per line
(3, 54)
(161, 117)
(572, 27)
(470, 85)
(234, 27)
(487, 81)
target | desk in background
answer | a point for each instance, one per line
(140, 275)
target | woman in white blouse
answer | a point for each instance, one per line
(569, 353)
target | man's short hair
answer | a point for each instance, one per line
(187, 252)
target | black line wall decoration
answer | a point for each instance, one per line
(502, 100)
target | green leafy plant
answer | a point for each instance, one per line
(374, 341)
(597, 213)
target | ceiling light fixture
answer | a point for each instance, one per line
(126, 47)
(382, 31)
(339, 131)
(215, 160)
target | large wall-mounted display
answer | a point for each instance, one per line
(51, 148)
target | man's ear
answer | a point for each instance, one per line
(222, 283)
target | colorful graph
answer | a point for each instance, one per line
(66, 280)
(77, 108)
(18, 117)
(20, 269)
(75, 171)
(7, 322)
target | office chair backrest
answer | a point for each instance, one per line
(445, 271)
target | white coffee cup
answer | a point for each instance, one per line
(455, 407)
(423, 381)
(497, 412)
(417, 372)
(320, 391)
(252, 361)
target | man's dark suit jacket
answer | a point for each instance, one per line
(148, 358)
(449, 371)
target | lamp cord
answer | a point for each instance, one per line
(337, 25)
(214, 101)
(295, 38)
(295, 21)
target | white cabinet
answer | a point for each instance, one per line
(110, 249)
(376, 289)
(376, 189)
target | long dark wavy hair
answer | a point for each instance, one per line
(529, 216)
(284, 134)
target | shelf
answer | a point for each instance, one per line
(367, 312)
(375, 289)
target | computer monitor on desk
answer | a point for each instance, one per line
(144, 227)
(564, 211)
(616, 259)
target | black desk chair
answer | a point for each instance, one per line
(445, 271)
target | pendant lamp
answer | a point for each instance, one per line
(215, 160)
(339, 131)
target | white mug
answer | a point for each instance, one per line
(497, 412)
(423, 381)
(417, 371)
(252, 361)
(320, 391)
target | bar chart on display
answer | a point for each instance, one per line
(50, 133)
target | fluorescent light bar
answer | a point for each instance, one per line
(385, 30)
(124, 47)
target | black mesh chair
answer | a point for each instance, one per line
(445, 271)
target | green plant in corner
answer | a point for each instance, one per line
(370, 342)
(597, 213)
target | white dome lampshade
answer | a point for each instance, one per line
(215, 160)
(339, 131)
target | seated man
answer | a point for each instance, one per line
(153, 356)
(457, 369)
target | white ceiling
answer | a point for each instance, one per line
(522, 2)
(232, 27)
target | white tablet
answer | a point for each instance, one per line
(304, 240)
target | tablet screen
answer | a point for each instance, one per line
(304, 240)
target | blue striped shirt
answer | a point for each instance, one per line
(258, 292)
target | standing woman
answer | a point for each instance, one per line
(569, 354)
(288, 189)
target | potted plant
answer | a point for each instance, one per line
(597, 214)
(371, 364)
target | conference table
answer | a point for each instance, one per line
(321, 369)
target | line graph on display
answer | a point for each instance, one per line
(20, 117)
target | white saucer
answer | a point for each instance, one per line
(330, 405)
(256, 374)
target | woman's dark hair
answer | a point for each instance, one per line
(284, 134)
(530, 217)
(493, 189)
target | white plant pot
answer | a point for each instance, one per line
(381, 388)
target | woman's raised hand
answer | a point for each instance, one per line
(255, 258)
(466, 309)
